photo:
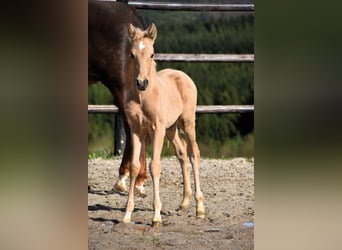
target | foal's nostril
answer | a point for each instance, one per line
(142, 84)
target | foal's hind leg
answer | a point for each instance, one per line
(139, 184)
(189, 129)
(180, 148)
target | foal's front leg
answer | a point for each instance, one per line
(155, 168)
(135, 167)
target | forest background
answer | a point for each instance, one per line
(218, 135)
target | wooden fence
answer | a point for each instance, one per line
(233, 58)
(204, 57)
(201, 109)
(192, 6)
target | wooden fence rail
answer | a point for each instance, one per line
(201, 109)
(164, 57)
(192, 6)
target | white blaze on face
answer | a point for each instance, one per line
(141, 45)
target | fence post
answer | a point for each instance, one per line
(119, 136)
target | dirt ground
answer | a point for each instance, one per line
(228, 189)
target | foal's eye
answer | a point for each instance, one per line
(132, 55)
(152, 55)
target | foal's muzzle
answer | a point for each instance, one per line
(142, 84)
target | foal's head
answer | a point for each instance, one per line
(142, 52)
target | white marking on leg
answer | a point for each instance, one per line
(120, 185)
(140, 191)
(124, 178)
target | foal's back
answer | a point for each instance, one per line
(179, 89)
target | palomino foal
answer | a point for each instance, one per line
(157, 105)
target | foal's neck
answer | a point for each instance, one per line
(153, 71)
(153, 76)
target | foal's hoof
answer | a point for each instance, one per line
(126, 220)
(140, 191)
(200, 215)
(156, 224)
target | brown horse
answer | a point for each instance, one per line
(157, 105)
(109, 62)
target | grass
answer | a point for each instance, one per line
(231, 148)
(100, 154)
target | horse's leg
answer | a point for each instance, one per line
(139, 188)
(135, 168)
(155, 169)
(180, 148)
(189, 129)
(120, 185)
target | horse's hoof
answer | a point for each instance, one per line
(156, 224)
(120, 186)
(140, 191)
(182, 208)
(200, 215)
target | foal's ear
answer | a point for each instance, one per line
(152, 32)
(131, 31)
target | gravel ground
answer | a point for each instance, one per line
(228, 189)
